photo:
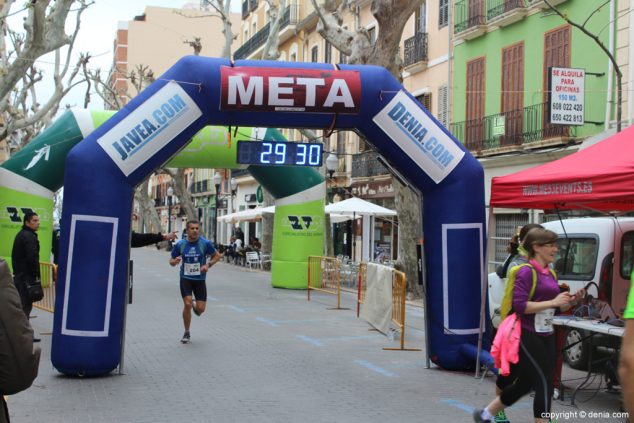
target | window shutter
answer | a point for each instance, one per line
(443, 104)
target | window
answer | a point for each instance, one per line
(512, 96)
(293, 57)
(576, 258)
(474, 128)
(314, 54)
(627, 254)
(443, 13)
(343, 58)
(442, 113)
(506, 225)
(420, 25)
(328, 52)
(556, 53)
(425, 100)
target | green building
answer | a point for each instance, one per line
(502, 52)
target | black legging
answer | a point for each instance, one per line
(533, 372)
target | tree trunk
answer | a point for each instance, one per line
(268, 220)
(410, 232)
(147, 209)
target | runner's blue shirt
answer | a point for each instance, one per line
(193, 257)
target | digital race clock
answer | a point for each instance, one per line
(279, 153)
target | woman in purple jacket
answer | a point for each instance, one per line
(537, 345)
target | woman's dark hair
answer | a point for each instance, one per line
(514, 243)
(517, 238)
(526, 228)
(538, 236)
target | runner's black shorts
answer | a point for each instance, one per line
(197, 287)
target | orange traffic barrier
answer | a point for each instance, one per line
(323, 276)
(399, 293)
(48, 276)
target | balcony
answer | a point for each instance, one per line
(245, 9)
(289, 21)
(470, 19)
(366, 164)
(253, 4)
(542, 4)
(415, 52)
(502, 132)
(505, 12)
(253, 44)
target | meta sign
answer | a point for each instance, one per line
(566, 87)
(290, 90)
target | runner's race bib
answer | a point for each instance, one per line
(544, 321)
(191, 269)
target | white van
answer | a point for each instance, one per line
(593, 249)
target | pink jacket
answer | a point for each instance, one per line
(506, 345)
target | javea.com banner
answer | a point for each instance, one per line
(150, 127)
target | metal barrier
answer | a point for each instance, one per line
(399, 294)
(323, 276)
(363, 270)
(48, 276)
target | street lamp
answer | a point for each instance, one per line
(234, 188)
(331, 164)
(170, 192)
(216, 179)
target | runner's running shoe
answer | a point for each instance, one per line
(186, 338)
(501, 418)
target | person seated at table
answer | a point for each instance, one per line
(255, 244)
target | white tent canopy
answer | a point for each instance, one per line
(339, 212)
(357, 206)
(248, 215)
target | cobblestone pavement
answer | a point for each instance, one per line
(261, 354)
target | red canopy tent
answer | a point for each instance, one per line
(600, 177)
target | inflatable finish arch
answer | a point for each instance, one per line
(197, 92)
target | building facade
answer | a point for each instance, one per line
(502, 52)
(153, 42)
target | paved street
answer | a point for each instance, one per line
(261, 354)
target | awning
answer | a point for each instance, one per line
(248, 215)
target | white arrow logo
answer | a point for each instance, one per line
(42, 152)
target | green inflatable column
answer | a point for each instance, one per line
(29, 179)
(299, 218)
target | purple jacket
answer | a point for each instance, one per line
(546, 289)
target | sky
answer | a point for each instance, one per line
(96, 35)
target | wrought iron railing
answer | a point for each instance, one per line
(366, 164)
(253, 43)
(290, 17)
(245, 9)
(515, 127)
(469, 13)
(415, 49)
(496, 8)
(253, 4)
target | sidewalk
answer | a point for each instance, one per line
(259, 354)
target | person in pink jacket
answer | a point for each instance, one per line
(537, 342)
